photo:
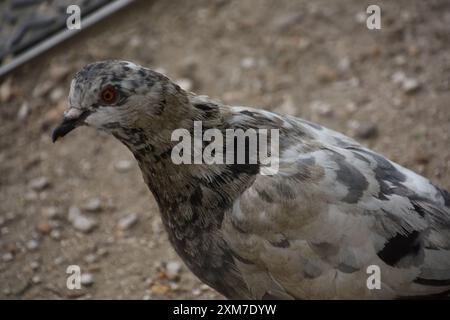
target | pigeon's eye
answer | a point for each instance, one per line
(109, 95)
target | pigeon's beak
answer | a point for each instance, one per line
(73, 118)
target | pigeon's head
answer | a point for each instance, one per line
(120, 96)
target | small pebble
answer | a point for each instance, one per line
(248, 62)
(36, 279)
(173, 270)
(159, 289)
(326, 74)
(55, 234)
(286, 21)
(321, 108)
(4, 231)
(58, 261)
(87, 279)
(127, 221)
(366, 131)
(79, 221)
(83, 224)
(204, 287)
(51, 212)
(196, 292)
(10, 216)
(90, 258)
(7, 257)
(351, 107)
(44, 227)
(157, 227)
(410, 85)
(12, 247)
(398, 77)
(174, 286)
(93, 205)
(344, 64)
(123, 165)
(31, 196)
(360, 17)
(363, 130)
(6, 91)
(39, 184)
(56, 94)
(34, 265)
(400, 60)
(23, 111)
(102, 252)
(42, 89)
(288, 105)
(32, 245)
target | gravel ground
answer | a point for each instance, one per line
(82, 201)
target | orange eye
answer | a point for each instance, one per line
(109, 95)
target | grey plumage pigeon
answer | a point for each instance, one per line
(312, 230)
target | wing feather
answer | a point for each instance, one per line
(334, 208)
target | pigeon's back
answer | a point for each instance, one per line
(337, 220)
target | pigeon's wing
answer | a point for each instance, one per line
(334, 215)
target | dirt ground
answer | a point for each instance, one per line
(388, 88)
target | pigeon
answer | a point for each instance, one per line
(335, 220)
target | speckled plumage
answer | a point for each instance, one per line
(309, 231)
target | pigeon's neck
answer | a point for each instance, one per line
(193, 201)
(183, 189)
(189, 187)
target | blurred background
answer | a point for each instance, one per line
(82, 201)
